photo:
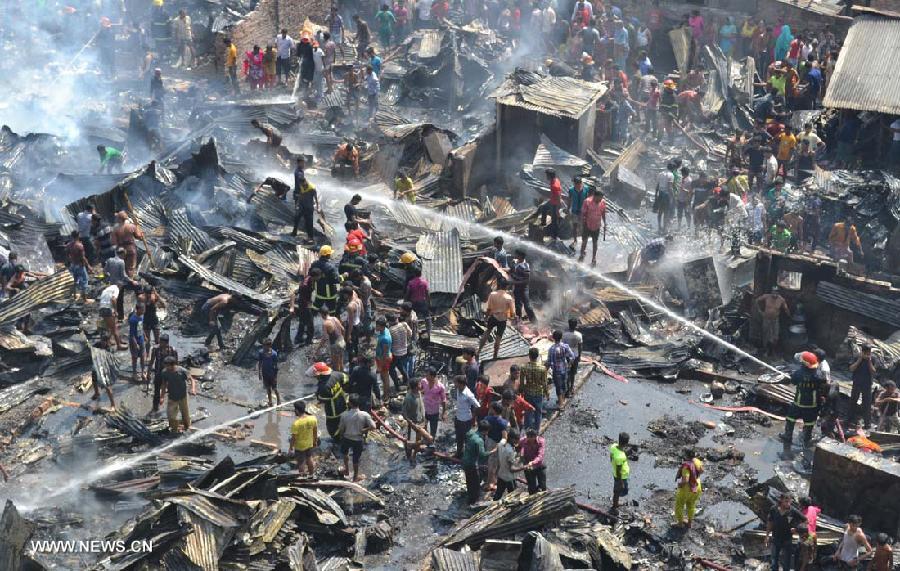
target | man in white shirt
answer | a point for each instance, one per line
(84, 220)
(771, 166)
(373, 87)
(466, 409)
(284, 45)
(507, 464)
(575, 340)
(318, 70)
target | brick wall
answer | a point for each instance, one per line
(263, 24)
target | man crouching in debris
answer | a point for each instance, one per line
(212, 308)
(174, 384)
(808, 397)
(273, 135)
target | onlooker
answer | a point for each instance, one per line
(304, 439)
(174, 384)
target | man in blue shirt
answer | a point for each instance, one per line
(136, 339)
(267, 367)
(374, 61)
(383, 355)
(559, 357)
(577, 194)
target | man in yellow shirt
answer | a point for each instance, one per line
(787, 142)
(403, 188)
(304, 438)
(231, 64)
(621, 469)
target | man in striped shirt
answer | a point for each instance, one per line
(533, 384)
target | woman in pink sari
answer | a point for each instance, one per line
(253, 67)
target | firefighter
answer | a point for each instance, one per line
(354, 258)
(409, 263)
(330, 393)
(326, 292)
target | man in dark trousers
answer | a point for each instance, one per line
(809, 395)
(306, 204)
(473, 454)
(863, 371)
(156, 366)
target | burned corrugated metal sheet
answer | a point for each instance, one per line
(443, 559)
(271, 208)
(822, 7)
(467, 210)
(512, 345)
(243, 238)
(868, 305)
(15, 395)
(516, 513)
(205, 544)
(227, 283)
(268, 521)
(276, 262)
(430, 45)
(548, 154)
(407, 215)
(182, 230)
(58, 287)
(441, 260)
(681, 45)
(558, 96)
(325, 509)
(867, 74)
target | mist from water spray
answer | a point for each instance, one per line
(75, 484)
(126, 463)
(540, 250)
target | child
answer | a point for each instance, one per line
(806, 552)
(884, 554)
(267, 366)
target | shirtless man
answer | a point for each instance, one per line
(771, 305)
(125, 235)
(333, 338)
(352, 320)
(212, 308)
(500, 307)
(273, 135)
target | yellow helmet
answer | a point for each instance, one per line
(326, 250)
(407, 258)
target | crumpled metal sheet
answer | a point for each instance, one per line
(227, 283)
(320, 505)
(57, 287)
(441, 257)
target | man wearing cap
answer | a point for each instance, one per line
(354, 257)
(330, 393)
(306, 203)
(668, 108)
(809, 394)
(325, 296)
(267, 367)
(155, 367)
(173, 381)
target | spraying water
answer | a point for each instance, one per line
(473, 227)
(75, 484)
(540, 250)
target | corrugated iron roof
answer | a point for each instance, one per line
(823, 7)
(867, 75)
(15, 395)
(559, 96)
(548, 154)
(226, 283)
(441, 256)
(871, 306)
(56, 287)
(407, 215)
(464, 210)
(512, 345)
(516, 513)
(430, 46)
(104, 366)
(443, 559)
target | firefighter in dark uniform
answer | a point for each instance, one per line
(353, 259)
(808, 397)
(409, 263)
(328, 286)
(330, 393)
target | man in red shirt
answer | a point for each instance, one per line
(552, 206)
(593, 216)
(689, 105)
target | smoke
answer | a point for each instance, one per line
(50, 78)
